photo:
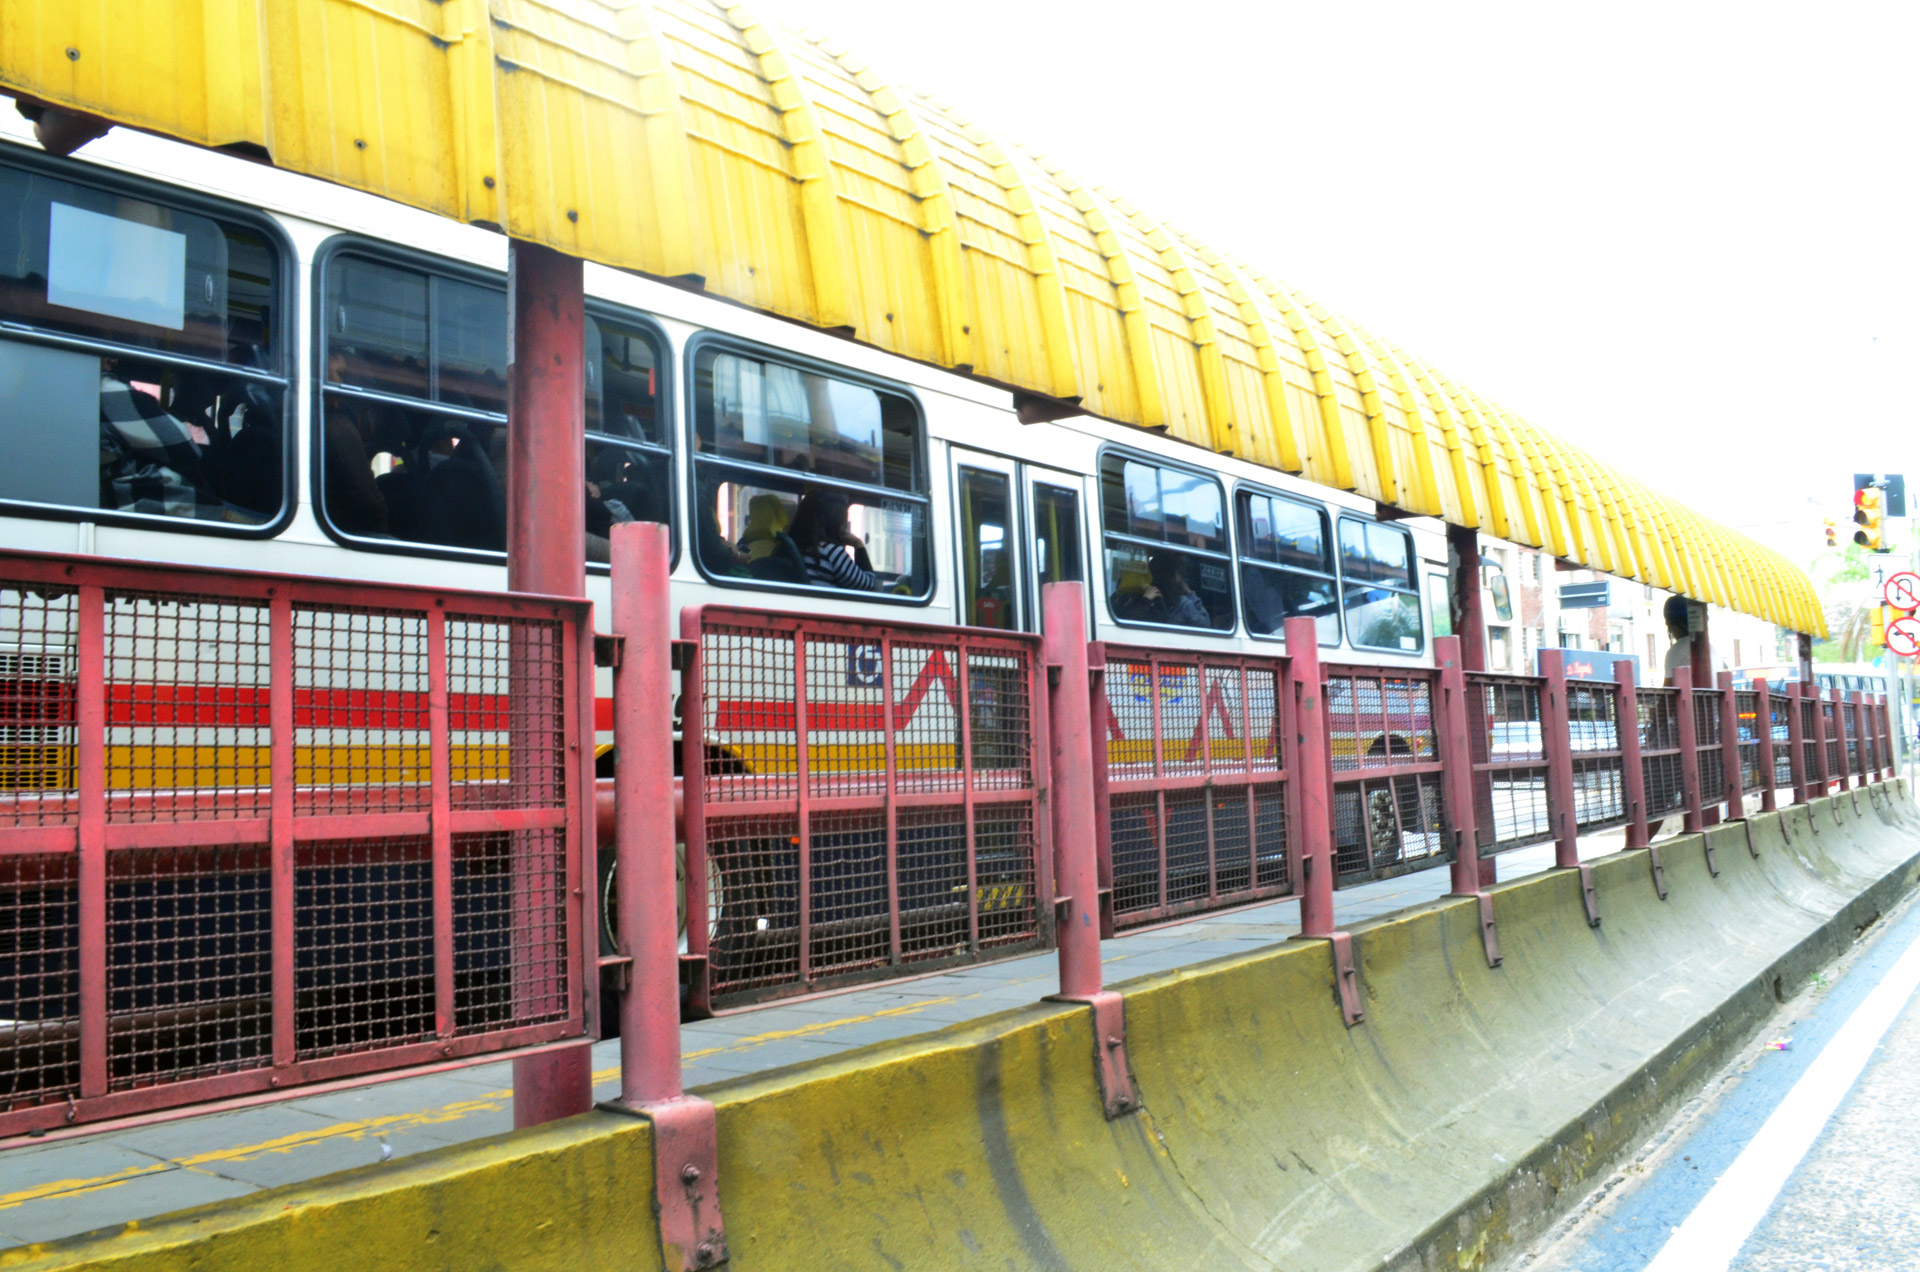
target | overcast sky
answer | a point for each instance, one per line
(1681, 234)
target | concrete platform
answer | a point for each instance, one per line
(105, 1177)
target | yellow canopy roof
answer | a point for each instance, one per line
(684, 138)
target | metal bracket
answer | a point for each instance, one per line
(1659, 871)
(1489, 935)
(1753, 849)
(693, 968)
(607, 650)
(1110, 1065)
(1588, 896)
(681, 653)
(1713, 862)
(1346, 978)
(622, 966)
(686, 1180)
(1855, 792)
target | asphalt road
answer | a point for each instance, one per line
(1806, 1157)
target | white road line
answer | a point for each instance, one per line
(1713, 1234)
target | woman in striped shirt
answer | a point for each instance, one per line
(835, 556)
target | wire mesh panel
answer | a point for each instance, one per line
(1195, 814)
(1850, 723)
(1660, 764)
(1836, 741)
(333, 822)
(1709, 755)
(39, 675)
(1780, 729)
(1388, 813)
(1810, 743)
(1746, 712)
(869, 799)
(1509, 761)
(1593, 726)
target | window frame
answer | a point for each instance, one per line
(1327, 524)
(1412, 589)
(1230, 556)
(725, 342)
(284, 333)
(405, 257)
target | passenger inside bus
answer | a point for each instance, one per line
(207, 452)
(834, 555)
(1168, 596)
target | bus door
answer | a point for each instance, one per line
(1017, 526)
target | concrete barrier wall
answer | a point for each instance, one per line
(1442, 1129)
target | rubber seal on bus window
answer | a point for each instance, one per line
(1230, 556)
(153, 190)
(704, 339)
(462, 271)
(1331, 513)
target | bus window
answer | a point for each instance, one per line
(988, 565)
(1378, 590)
(414, 429)
(1056, 534)
(1286, 566)
(806, 480)
(1166, 545)
(142, 367)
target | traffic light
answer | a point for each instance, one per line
(1870, 514)
(1833, 535)
(1879, 637)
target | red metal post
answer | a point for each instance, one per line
(1456, 759)
(1700, 656)
(1310, 790)
(1840, 733)
(1818, 781)
(440, 780)
(280, 877)
(1076, 850)
(1633, 777)
(1735, 793)
(1689, 748)
(546, 539)
(645, 891)
(1556, 738)
(1883, 718)
(1763, 726)
(1466, 601)
(686, 1181)
(1796, 743)
(1076, 870)
(1863, 738)
(1311, 777)
(91, 780)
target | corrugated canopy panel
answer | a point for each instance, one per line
(683, 139)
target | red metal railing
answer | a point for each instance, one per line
(1660, 753)
(1709, 747)
(258, 831)
(1599, 783)
(860, 797)
(1752, 727)
(1508, 744)
(1389, 812)
(1193, 794)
